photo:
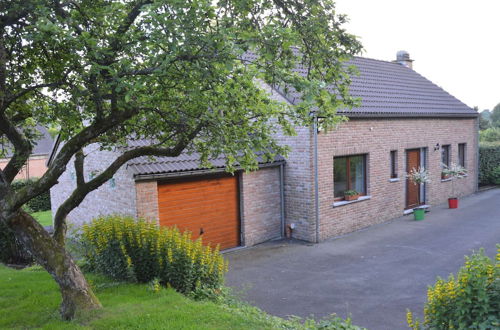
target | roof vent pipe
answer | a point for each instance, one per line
(403, 58)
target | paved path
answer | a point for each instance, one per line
(373, 274)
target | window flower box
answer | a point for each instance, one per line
(351, 195)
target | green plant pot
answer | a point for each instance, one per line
(419, 214)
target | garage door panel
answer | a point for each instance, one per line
(214, 194)
(213, 222)
(194, 206)
(206, 223)
(189, 200)
(211, 204)
(192, 210)
(195, 184)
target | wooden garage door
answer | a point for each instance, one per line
(207, 207)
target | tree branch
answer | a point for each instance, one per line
(27, 90)
(127, 22)
(83, 189)
(72, 146)
(79, 162)
(22, 148)
(59, 10)
(16, 15)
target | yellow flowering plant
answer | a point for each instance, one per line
(469, 300)
(136, 250)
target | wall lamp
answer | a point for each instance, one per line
(436, 147)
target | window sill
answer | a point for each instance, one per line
(360, 199)
(394, 180)
(446, 180)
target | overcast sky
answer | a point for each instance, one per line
(455, 43)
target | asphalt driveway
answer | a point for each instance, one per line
(374, 275)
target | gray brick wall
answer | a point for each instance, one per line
(298, 177)
(147, 200)
(116, 197)
(261, 205)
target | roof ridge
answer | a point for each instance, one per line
(378, 60)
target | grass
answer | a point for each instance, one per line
(29, 299)
(43, 217)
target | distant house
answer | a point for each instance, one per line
(37, 163)
(404, 121)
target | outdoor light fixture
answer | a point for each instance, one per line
(436, 147)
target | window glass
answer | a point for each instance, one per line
(340, 176)
(357, 173)
(461, 154)
(445, 155)
(394, 172)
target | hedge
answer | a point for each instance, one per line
(40, 202)
(489, 164)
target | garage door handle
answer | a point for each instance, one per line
(201, 231)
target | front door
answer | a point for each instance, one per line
(412, 190)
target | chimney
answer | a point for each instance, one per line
(403, 58)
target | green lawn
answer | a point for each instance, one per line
(43, 217)
(29, 299)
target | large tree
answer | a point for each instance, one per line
(181, 74)
(495, 116)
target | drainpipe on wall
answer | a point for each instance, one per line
(316, 189)
(477, 153)
(282, 198)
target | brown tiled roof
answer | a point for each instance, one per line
(388, 89)
(183, 163)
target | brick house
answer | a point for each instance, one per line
(404, 121)
(37, 162)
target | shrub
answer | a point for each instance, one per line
(128, 249)
(495, 175)
(40, 202)
(471, 300)
(490, 135)
(11, 250)
(489, 161)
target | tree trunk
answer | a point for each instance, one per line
(76, 293)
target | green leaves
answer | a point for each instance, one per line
(468, 301)
(181, 67)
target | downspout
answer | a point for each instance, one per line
(316, 189)
(282, 197)
(477, 154)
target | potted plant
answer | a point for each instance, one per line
(453, 172)
(351, 195)
(418, 176)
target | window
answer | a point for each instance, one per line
(349, 173)
(394, 168)
(445, 158)
(461, 154)
(445, 155)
